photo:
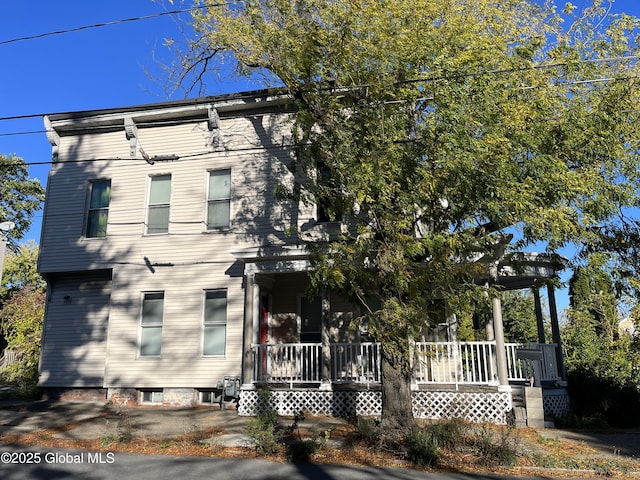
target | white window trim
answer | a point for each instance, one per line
(203, 324)
(140, 327)
(88, 209)
(148, 204)
(153, 391)
(207, 201)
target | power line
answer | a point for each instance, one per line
(108, 24)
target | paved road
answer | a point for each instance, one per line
(59, 464)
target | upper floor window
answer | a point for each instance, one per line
(159, 201)
(151, 324)
(219, 200)
(325, 211)
(98, 211)
(215, 322)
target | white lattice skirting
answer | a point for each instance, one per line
(476, 407)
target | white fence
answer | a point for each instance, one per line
(7, 358)
(471, 363)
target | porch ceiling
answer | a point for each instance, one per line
(514, 271)
(273, 259)
(528, 269)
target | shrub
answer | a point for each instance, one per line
(368, 430)
(263, 430)
(449, 434)
(422, 447)
(495, 448)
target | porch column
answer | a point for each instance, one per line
(555, 331)
(539, 317)
(501, 352)
(249, 333)
(325, 365)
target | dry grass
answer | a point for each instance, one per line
(568, 459)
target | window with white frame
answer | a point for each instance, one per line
(151, 396)
(159, 203)
(219, 200)
(98, 209)
(215, 322)
(151, 324)
(209, 396)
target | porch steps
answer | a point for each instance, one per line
(519, 406)
(528, 406)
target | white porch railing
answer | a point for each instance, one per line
(287, 363)
(355, 362)
(7, 358)
(451, 362)
(471, 363)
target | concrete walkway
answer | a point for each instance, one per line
(91, 420)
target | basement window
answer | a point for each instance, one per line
(209, 397)
(152, 396)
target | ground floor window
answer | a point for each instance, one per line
(215, 322)
(151, 396)
(151, 324)
(209, 396)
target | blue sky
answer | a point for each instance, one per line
(92, 68)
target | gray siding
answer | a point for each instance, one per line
(79, 348)
(75, 331)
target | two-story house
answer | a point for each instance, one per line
(169, 267)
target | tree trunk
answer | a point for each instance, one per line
(397, 412)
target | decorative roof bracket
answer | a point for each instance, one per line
(131, 132)
(53, 137)
(214, 126)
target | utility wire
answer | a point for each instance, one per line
(470, 74)
(108, 24)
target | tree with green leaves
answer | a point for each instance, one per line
(20, 196)
(434, 129)
(593, 299)
(20, 271)
(602, 362)
(22, 300)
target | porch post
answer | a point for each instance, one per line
(501, 352)
(555, 331)
(248, 337)
(326, 340)
(539, 317)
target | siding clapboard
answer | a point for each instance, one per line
(75, 331)
(96, 341)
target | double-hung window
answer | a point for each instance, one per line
(219, 200)
(215, 322)
(151, 324)
(98, 209)
(159, 202)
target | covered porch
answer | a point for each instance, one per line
(313, 361)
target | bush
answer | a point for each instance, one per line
(263, 430)
(498, 449)
(449, 434)
(422, 447)
(369, 430)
